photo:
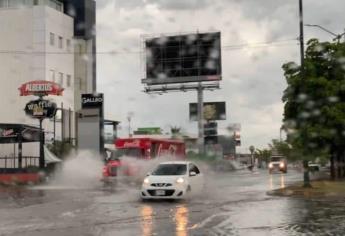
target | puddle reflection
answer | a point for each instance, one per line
(282, 181)
(181, 220)
(273, 184)
(146, 220)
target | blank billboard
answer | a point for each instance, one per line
(212, 111)
(183, 58)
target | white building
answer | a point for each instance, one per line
(37, 43)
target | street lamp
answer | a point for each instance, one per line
(337, 36)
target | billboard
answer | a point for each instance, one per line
(210, 129)
(212, 111)
(183, 58)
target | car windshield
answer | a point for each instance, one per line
(275, 158)
(130, 152)
(170, 169)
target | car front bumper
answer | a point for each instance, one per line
(172, 192)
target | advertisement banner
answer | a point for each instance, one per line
(212, 111)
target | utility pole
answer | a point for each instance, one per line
(129, 118)
(301, 39)
(201, 119)
(301, 35)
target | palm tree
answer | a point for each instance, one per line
(175, 131)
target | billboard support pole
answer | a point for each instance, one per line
(201, 118)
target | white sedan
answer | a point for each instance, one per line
(172, 180)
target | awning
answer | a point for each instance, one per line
(50, 157)
(12, 133)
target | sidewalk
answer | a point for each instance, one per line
(320, 189)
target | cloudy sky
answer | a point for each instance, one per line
(253, 80)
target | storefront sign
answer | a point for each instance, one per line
(40, 88)
(41, 109)
(91, 100)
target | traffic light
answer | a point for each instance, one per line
(210, 133)
(237, 138)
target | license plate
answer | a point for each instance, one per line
(160, 192)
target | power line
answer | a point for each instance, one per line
(278, 43)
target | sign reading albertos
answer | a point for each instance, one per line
(40, 88)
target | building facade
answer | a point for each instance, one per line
(40, 41)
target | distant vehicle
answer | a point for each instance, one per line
(313, 167)
(140, 149)
(277, 163)
(172, 180)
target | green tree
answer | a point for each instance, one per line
(61, 149)
(263, 155)
(175, 132)
(314, 112)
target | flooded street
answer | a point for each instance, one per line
(232, 204)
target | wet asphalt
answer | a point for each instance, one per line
(233, 203)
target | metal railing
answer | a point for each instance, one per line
(13, 162)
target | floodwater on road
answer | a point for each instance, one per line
(233, 203)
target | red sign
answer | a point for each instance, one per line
(7, 133)
(40, 88)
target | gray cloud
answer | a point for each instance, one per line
(253, 79)
(181, 4)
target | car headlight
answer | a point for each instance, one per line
(281, 165)
(146, 181)
(180, 180)
(270, 165)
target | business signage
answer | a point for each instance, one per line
(40, 88)
(91, 100)
(148, 130)
(212, 111)
(40, 109)
(210, 129)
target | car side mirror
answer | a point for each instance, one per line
(192, 173)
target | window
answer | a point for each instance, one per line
(55, 5)
(68, 44)
(60, 42)
(68, 80)
(52, 75)
(16, 3)
(3, 3)
(52, 39)
(61, 78)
